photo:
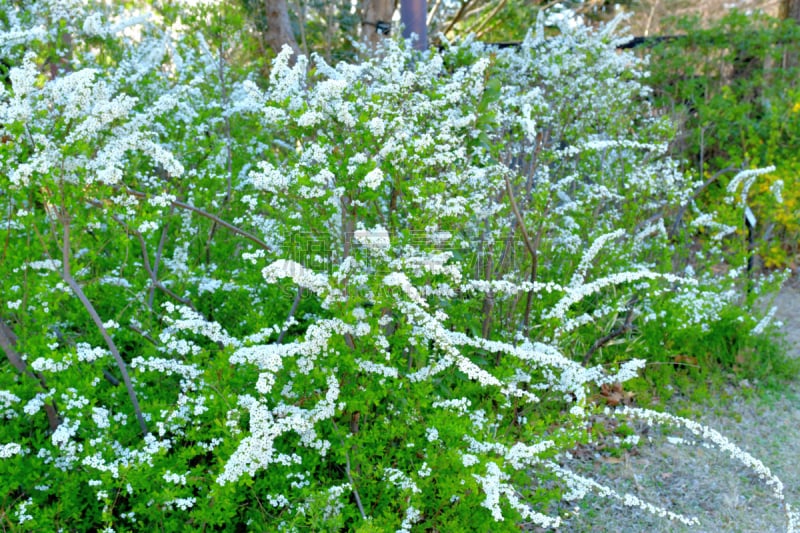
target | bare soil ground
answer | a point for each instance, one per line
(705, 483)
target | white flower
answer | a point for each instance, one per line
(432, 434)
(377, 126)
(303, 277)
(400, 480)
(373, 179)
(468, 459)
(147, 226)
(9, 450)
(100, 417)
(93, 25)
(376, 238)
(178, 479)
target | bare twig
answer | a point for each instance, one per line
(227, 121)
(613, 334)
(144, 334)
(520, 221)
(685, 205)
(203, 213)
(155, 283)
(353, 486)
(649, 23)
(66, 274)
(481, 24)
(292, 311)
(7, 342)
(432, 12)
(229, 150)
(159, 253)
(110, 378)
(532, 247)
(350, 475)
(488, 300)
(458, 15)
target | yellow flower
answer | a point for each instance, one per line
(796, 107)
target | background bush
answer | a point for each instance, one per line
(733, 90)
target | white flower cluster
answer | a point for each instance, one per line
(745, 179)
(183, 504)
(178, 479)
(194, 322)
(715, 438)
(400, 480)
(10, 450)
(335, 504)
(303, 277)
(764, 322)
(494, 486)
(376, 238)
(373, 179)
(7, 400)
(411, 517)
(257, 450)
(377, 368)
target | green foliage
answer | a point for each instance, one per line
(733, 89)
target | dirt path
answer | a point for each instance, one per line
(705, 483)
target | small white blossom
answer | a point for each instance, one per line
(373, 179)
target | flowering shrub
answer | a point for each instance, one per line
(369, 296)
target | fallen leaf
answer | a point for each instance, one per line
(684, 360)
(615, 395)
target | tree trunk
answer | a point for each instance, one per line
(376, 20)
(279, 27)
(790, 9)
(414, 14)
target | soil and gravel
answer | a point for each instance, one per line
(707, 484)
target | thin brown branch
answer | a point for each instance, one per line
(228, 155)
(66, 274)
(613, 334)
(432, 12)
(520, 221)
(698, 192)
(485, 20)
(353, 486)
(488, 271)
(159, 253)
(486, 29)
(154, 280)
(8, 343)
(205, 214)
(144, 334)
(532, 247)
(292, 311)
(227, 121)
(458, 16)
(155, 283)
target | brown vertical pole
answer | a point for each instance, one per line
(414, 13)
(790, 9)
